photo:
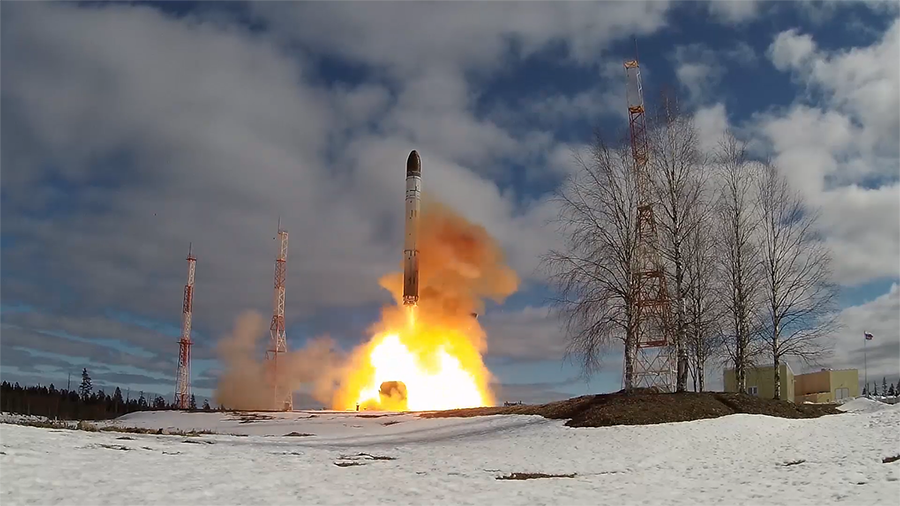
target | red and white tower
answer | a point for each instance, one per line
(183, 381)
(282, 396)
(654, 357)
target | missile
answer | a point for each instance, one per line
(410, 243)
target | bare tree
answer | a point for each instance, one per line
(799, 309)
(704, 311)
(739, 259)
(678, 176)
(593, 272)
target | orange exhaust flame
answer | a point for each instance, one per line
(429, 357)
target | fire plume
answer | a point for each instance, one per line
(429, 356)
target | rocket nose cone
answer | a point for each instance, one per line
(414, 163)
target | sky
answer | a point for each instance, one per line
(130, 130)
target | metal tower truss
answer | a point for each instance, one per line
(282, 396)
(654, 357)
(183, 380)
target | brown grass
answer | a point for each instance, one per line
(647, 407)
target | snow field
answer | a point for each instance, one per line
(738, 459)
(864, 405)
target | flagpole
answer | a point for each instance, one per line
(866, 364)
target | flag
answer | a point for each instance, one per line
(869, 336)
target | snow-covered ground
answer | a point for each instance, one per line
(864, 405)
(738, 459)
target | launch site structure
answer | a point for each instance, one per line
(281, 394)
(183, 379)
(654, 354)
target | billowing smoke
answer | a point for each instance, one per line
(246, 383)
(461, 266)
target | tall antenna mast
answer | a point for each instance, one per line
(653, 350)
(183, 381)
(282, 396)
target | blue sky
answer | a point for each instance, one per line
(130, 130)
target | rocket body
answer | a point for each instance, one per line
(410, 242)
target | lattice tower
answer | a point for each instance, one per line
(654, 353)
(183, 380)
(282, 397)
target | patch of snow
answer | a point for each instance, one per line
(738, 459)
(334, 425)
(864, 405)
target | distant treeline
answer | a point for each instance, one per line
(81, 404)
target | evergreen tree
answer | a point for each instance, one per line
(142, 402)
(85, 388)
(865, 390)
(206, 406)
(874, 388)
(117, 401)
(884, 388)
(891, 391)
(60, 404)
(192, 405)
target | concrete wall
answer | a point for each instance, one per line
(789, 389)
(845, 378)
(763, 378)
(813, 383)
(826, 385)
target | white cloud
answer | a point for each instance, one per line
(841, 149)
(534, 333)
(711, 123)
(881, 317)
(819, 12)
(808, 140)
(741, 11)
(734, 11)
(700, 69)
(166, 130)
(791, 49)
(698, 77)
(406, 38)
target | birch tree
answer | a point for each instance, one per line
(799, 310)
(703, 309)
(592, 273)
(739, 260)
(677, 166)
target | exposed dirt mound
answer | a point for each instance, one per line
(644, 407)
